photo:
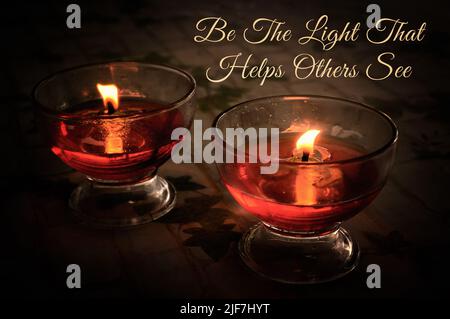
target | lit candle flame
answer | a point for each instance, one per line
(305, 192)
(305, 143)
(110, 94)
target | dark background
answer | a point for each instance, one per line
(405, 231)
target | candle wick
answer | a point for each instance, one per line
(110, 108)
(305, 156)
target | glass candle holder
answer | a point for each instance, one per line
(118, 147)
(303, 204)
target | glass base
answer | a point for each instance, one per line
(109, 205)
(298, 260)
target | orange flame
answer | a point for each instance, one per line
(305, 143)
(304, 182)
(110, 94)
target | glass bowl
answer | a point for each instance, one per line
(119, 152)
(302, 205)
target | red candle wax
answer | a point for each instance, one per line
(305, 198)
(124, 146)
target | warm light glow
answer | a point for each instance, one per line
(305, 191)
(113, 141)
(110, 94)
(305, 143)
(113, 145)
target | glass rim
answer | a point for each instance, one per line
(64, 116)
(392, 141)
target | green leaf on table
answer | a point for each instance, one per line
(392, 243)
(155, 57)
(199, 74)
(193, 210)
(215, 243)
(185, 183)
